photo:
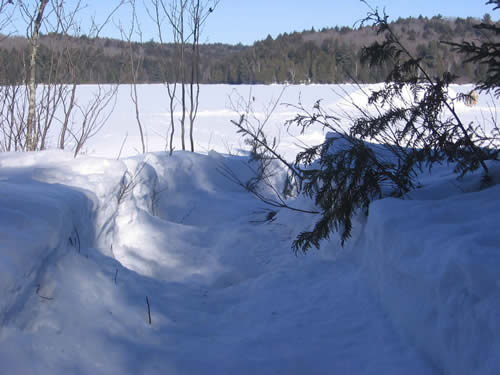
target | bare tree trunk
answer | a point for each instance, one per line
(50, 103)
(15, 117)
(171, 94)
(31, 142)
(135, 99)
(182, 47)
(195, 81)
(135, 65)
(160, 10)
(199, 14)
(67, 116)
(176, 14)
(26, 116)
(82, 121)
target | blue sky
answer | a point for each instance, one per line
(246, 21)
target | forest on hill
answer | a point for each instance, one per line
(330, 55)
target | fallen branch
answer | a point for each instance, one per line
(43, 297)
(149, 310)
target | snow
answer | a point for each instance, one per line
(219, 104)
(84, 241)
(440, 289)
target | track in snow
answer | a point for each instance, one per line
(227, 295)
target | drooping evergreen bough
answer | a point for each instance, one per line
(414, 125)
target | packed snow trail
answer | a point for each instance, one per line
(227, 295)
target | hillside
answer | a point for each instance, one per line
(331, 55)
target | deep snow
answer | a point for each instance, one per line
(84, 241)
(227, 295)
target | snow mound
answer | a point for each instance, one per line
(434, 266)
(87, 246)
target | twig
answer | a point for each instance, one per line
(77, 239)
(121, 148)
(187, 214)
(278, 202)
(149, 310)
(126, 187)
(43, 297)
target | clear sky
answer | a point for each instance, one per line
(249, 20)
(246, 21)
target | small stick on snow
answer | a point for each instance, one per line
(77, 239)
(149, 309)
(43, 297)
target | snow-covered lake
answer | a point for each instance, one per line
(219, 104)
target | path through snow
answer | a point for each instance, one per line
(227, 295)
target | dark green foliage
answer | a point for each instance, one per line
(427, 122)
(345, 175)
(486, 53)
(414, 124)
(329, 56)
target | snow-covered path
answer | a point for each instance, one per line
(227, 295)
(238, 301)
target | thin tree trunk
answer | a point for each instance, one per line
(172, 121)
(134, 71)
(137, 116)
(31, 141)
(194, 96)
(135, 97)
(183, 79)
(193, 109)
(67, 115)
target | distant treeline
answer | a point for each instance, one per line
(331, 55)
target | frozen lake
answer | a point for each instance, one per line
(219, 104)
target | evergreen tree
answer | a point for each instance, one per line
(345, 173)
(486, 54)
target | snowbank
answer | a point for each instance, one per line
(433, 263)
(38, 221)
(79, 257)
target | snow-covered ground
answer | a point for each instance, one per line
(219, 104)
(86, 244)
